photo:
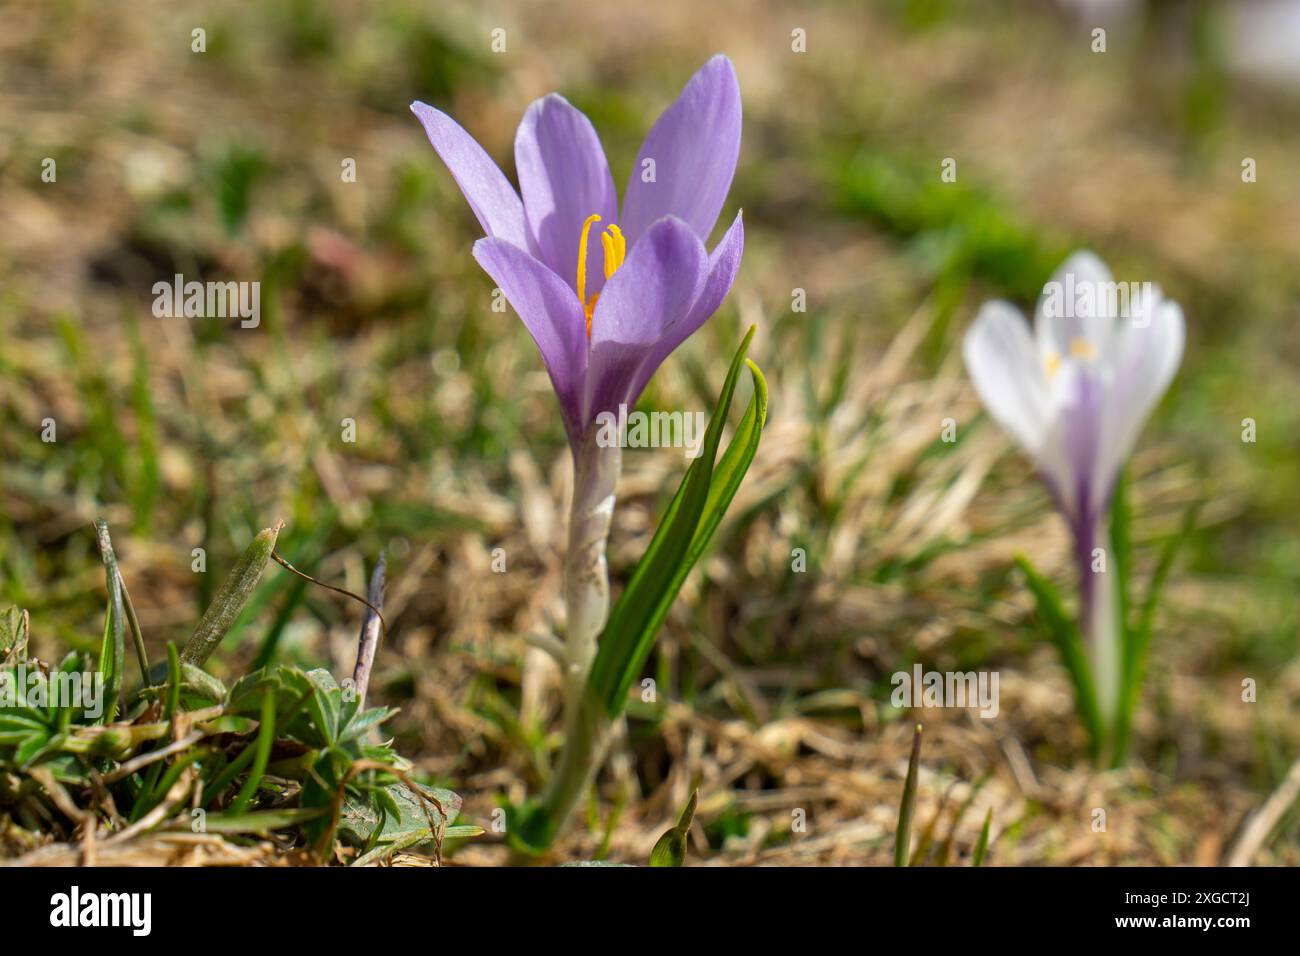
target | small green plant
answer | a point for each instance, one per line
(670, 849)
(282, 750)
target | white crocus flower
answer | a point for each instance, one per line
(1074, 395)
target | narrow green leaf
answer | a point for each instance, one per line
(156, 784)
(260, 821)
(323, 704)
(265, 738)
(982, 844)
(132, 621)
(907, 806)
(112, 653)
(683, 533)
(235, 590)
(227, 776)
(462, 832)
(731, 470)
(320, 785)
(173, 681)
(1073, 655)
(1139, 639)
(31, 749)
(1121, 546)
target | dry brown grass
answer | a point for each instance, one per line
(787, 710)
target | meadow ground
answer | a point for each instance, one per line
(773, 684)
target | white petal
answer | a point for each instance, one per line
(1145, 360)
(1074, 318)
(1005, 369)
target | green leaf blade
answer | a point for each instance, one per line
(684, 532)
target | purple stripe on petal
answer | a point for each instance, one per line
(694, 145)
(655, 289)
(564, 178)
(550, 311)
(489, 193)
(724, 263)
(1080, 410)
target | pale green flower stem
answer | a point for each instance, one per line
(1104, 633)
(586, 599)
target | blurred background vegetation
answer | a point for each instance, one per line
(773, 684)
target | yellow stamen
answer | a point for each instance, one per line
(582, 264)
(619, 246)
(607, 242)
(1053, 364)
(615, 246)
(1082, 348)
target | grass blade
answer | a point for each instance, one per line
(982, 844)
(907, 806)
(262, 755)
(112, 652)
(110, 559)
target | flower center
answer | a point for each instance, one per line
(1080, 348)
(615, 247)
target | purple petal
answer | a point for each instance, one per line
(694, 145)
(724, 263)
(654, 290)
(551, 312)
(564, 178)
(489, 193)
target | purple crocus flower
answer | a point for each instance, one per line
(1074, 395)
(606, 296)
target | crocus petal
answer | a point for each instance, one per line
(724, 263)
(489, 193)
(694, 145)
(564, 178)
(1146, 356)
(658, 284)
(1008, 375)
(550, 311)
(1081, 274)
